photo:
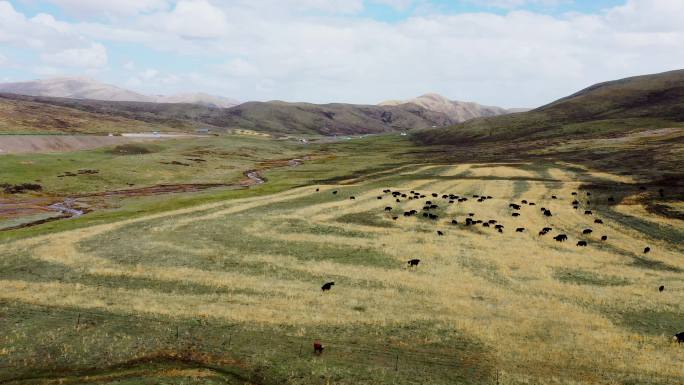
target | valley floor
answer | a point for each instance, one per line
(230, 291)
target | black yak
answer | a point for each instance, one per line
(515, 214)
(587, 231)
(661, 288)
(519, 229)
(561, 237)
(646, 249)
(388, 208)
(604, 238)
(588, 212)
(327, 286)
(582, 243)
(679, 337)
(599, 221)
(440, 233)
(413, 262)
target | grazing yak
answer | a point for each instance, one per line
(661, 288)
(433, 216)
(679, 337)
(440, 233)
(599, 221)
(519, 229)
(524, 201)
(352, 197)
(574, 193)
(587, 231)
(532, 204)
(435, 195)
(492, 221)
(413, 262)
(515, 214)
(334, 192)
(486, 224)
(582, 243)
(318, 347)
(398, 200)
(327, 286)
(588, 212)
(646, 249)
(561, 237)
(379, 197)
(395, 218)
(317, 190)
(547, 213)
(554, 197)
(471, 214)
(575, 207)
(575, 202)
(454, 222)
(388, 208)
(514, 206)
(604, 238)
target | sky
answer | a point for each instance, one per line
(510, 53)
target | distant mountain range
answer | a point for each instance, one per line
(457, 111)
(86, 88)
(40, 114)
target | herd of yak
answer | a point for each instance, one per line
(431, 205)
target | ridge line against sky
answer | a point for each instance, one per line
(511, 53)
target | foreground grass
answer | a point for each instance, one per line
(231, 287)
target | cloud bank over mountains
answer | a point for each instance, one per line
(499, 53)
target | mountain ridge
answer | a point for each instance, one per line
(458, 111)
(91, 89)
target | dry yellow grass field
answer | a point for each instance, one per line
(546, 312)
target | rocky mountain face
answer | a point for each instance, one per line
(456, 110)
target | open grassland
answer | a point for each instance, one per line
(229, 291)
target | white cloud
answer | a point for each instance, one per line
(94, 56)
(512, 4)
(110, 8)
(191, 19)
(279, 50)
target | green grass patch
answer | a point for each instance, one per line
(582, 277)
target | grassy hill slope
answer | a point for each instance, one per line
(271, 117)
(602, 110)
(19, 115)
